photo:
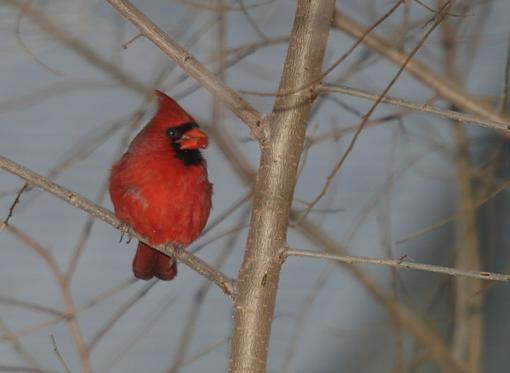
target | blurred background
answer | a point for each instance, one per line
(416, 186)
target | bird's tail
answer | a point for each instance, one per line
(149, 263)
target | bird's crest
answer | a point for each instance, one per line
(169, 110)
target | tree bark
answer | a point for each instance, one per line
(274, 189)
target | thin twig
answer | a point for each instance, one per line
(11, 301)
(251, 21)
(451, 218)
(224, 7)
(104, 295)
(26, 5)
(59, 355)
(418, 107)
(22, 369)
(14, 203)
(397, 263)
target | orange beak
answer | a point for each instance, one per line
(194, 139)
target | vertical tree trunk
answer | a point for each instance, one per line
(276, 179)
(468, 332)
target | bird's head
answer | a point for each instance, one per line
(178, 126)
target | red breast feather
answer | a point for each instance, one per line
(161, 198)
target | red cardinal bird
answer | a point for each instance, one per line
(160, 187)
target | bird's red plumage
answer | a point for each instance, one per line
(156, 193)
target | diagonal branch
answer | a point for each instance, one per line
(198, 265)
(230, 98)
(444, 87)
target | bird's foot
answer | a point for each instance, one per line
(125, 230)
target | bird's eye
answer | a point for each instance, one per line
(172, 133)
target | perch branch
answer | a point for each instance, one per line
(198, 265)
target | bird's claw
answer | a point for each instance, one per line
(124, 230)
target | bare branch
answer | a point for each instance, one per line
(223, 282)
(241, 108)
(444, 87)
(419, 107)
(59, 355)
(415, 325)
(11, 301)
(397, 263)
(13, 205)
(65, 291)
(22, 43)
